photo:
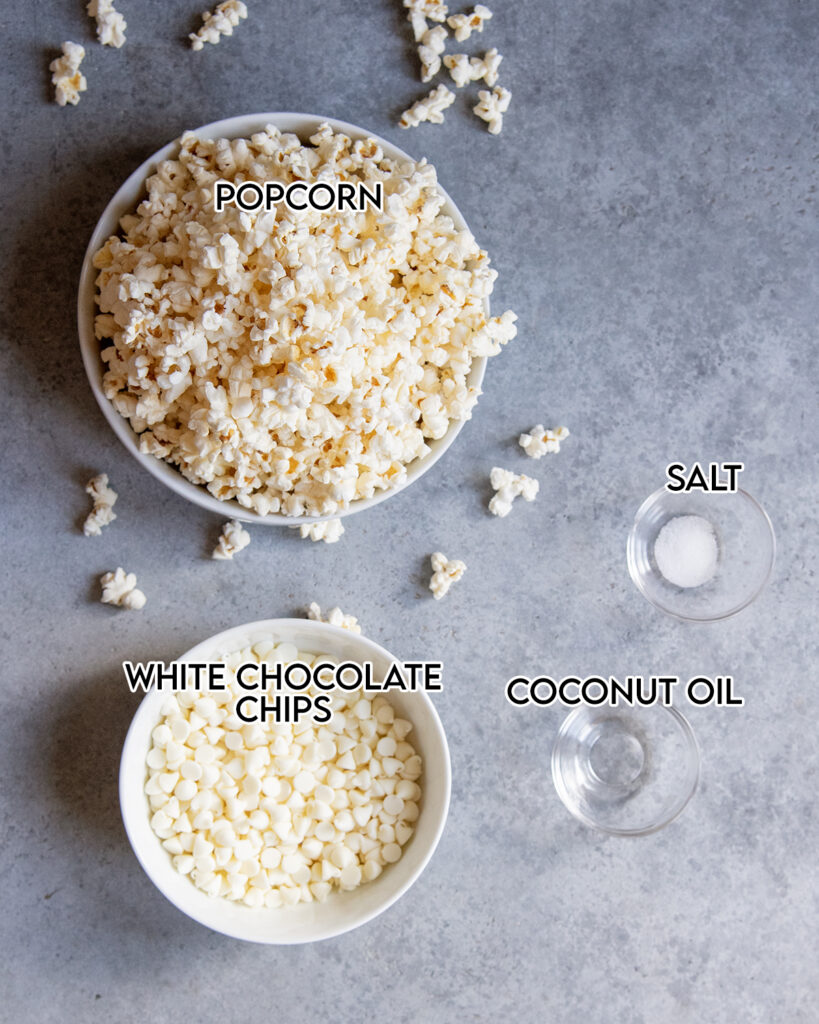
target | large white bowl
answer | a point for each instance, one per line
(125, 201)
(306, 922)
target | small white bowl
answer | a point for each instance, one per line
(125, 201)
(343, 911)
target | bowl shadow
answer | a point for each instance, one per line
(39, 294)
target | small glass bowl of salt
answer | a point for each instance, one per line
(701, 556)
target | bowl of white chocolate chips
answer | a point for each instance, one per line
(284, 833)
(285, 366)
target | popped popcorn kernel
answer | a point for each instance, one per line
(463, 25)
(233, 539)
(217, 23)
(110, 23)
(335, 617)
(102, 513)
(508, 486)
(329, 531)
(539, 441)
(492, 106)
(119, 588)
(445, 572)
(68, 81)
(429, 108)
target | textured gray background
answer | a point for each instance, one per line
(651, 209)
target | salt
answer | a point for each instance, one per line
(686, 551)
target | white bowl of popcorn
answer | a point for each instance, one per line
(280, 834)
(285, 367)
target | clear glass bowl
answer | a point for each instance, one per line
(627, 771)
(746, 543)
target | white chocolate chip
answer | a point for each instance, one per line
(270, 815)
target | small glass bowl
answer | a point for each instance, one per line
(746, 543)
(626, 771)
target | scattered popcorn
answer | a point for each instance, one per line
(541, 442)
(233, 539)
(433, 43)
(465, 24)
(269, 814)
(110, 23)
(329, 531)
(508, 486)
(488, 65)
(335, 617)
(498, 332)
(218, 23)
(66, 76)
(419, 25)
(444, 574)
(119, 588)
(463, 69)
(295, 361)
(492, 106)
(431, 9)
(431, 108)
(102, 513)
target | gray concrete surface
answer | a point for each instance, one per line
(651, 210)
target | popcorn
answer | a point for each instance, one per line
(431, 108)
(329, 531)
(119, 588)
(463, 69)
(444, 574)
(496, 332)
(488, 65)
(540, 442)
(234, 538)
(335, 617)
(218, 23)
(110, 23)
(434, 10)
(433, 43)
(492, 106)
(419, 25)
(465, 24)
(508, 486)
(66, 77)
(270, 814)
(102, 513)
(283, 359)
